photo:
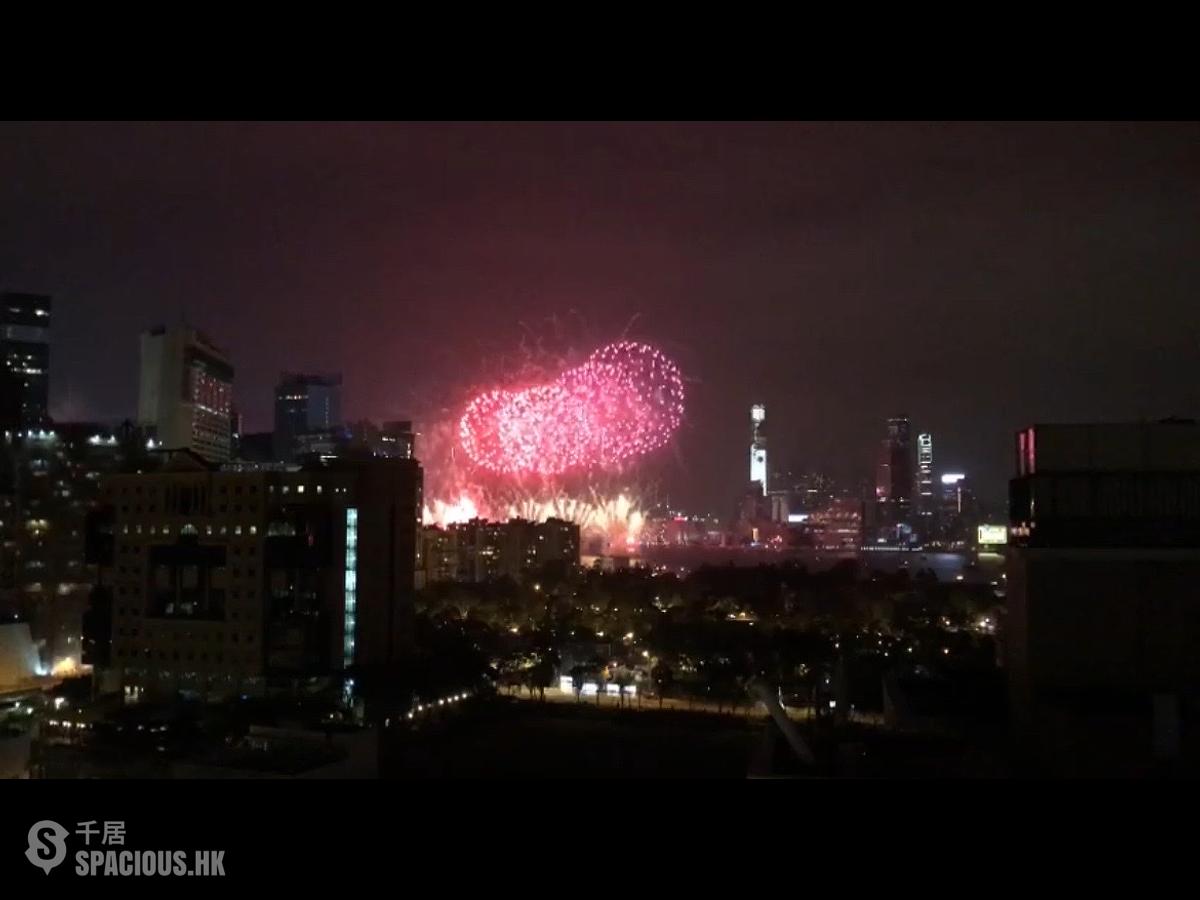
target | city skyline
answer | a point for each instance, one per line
(751, 450)
(410, 257)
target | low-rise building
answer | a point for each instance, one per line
(479, 550)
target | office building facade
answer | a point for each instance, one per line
(898, 449)
(229, 582)
(479, 550)
(926, 500)
(890, 521)
(186, 392)
(305, 406)
(49, 486)
(25, 370)
(958, 513)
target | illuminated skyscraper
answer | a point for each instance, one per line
(894, 485)
(25, 367)
(758, 446)
(925, 501)
(186, 392)
(898, 449)
(958, 509)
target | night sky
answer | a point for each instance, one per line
(975, 278)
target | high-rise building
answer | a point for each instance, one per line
(1103, 619)
(925, 499)
(305, 405)
(890, 522)
(223, 581)
(186, 392)
(49, 485)
(814, 490)
(900, 468)
(957, 510)
(758, 446)
(25, 373)
(837, 525)
(397, 439)
(255, 447)
(883, 475)
(360, 439)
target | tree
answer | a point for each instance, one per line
(623, 678)
(663, 678)
(541, 675)
(578, 673)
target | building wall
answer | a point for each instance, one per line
(1109, 447)
(479, 551)
(1092, 637)
(900, 462)
(188, 580)
(223, 580)
(150, 377)
(305, 405)
(18, 657)
(838, 525)
(25, 358)
(925, 493)
(1085, 617)
(185, 392)
(1103, 629)
(49, 486)
(389, 553)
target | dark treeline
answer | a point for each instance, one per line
(705, 635)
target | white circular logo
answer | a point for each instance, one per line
(47, 845)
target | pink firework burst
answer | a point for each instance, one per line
(625, 401)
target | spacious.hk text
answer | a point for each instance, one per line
(150, 862)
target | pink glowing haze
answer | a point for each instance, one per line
(625, 401)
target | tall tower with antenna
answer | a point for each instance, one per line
(758, 445)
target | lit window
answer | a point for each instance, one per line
(299, 489)
(237, 529)
(254, 529)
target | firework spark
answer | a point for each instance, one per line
(624, 402)
(614, 519)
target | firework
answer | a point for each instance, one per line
(554, 438)
(624, 402)
(615, 519)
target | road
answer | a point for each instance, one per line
(748, 709)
